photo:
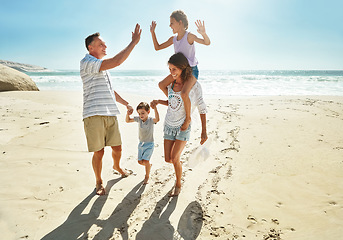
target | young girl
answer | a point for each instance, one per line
(184, 43)
(174, 139)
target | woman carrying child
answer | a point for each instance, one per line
(175, 139)
(183, 42)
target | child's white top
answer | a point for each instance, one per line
(187, 49)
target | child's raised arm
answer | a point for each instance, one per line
(201, 29)
(128, 119)
(157, 116)
(158, 46)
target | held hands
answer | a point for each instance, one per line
(201, 27)
(128, 113)
(129, 109)
(136, 35)
(153, 104)
(153, 26)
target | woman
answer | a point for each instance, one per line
(174, 139)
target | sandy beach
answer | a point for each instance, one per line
(274, 171)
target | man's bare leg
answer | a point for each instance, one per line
(116, 155)
(97, 167)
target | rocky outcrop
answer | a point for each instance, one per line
(13, 80)
(24, 67)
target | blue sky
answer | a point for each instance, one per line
(245, 34)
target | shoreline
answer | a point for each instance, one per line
(214, 83)
(274, 169)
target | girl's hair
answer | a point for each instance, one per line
(180, 61)
(179, 15)
(143, 105)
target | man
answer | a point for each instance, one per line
(100, 102)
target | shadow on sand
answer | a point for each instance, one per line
(190, 223)
(158, 225)
(120, 215)
(78, 224)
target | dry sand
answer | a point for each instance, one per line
(275, 171)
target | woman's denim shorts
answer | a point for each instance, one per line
(181, 135)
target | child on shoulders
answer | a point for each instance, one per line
(183, 42)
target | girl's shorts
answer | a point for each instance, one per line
(145, 150)
(195, 71)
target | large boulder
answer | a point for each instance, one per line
(13, 80)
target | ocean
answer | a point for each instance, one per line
(215, 84)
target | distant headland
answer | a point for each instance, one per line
(22, 67)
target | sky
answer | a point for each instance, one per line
(245, 34)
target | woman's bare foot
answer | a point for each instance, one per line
(100, 190)
(185, 124)
(146, 180)
(175, 192)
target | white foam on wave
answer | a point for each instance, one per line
(217, 84)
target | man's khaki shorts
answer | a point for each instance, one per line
(101, 131)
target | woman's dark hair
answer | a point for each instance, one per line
(180, 61)
(90, 39)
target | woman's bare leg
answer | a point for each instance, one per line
(175, 158)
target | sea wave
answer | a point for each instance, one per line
(214, 83)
